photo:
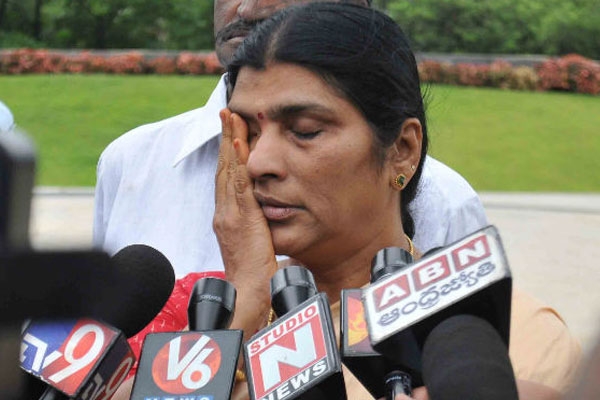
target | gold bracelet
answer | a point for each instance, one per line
(271, 317)
(240, 376)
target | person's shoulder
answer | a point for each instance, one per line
(542, 348)
(173, 131)
(439, 177)
(446, 207)
(136, 139)
(444, 191)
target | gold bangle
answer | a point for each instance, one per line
(240, 376)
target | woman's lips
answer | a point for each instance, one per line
(278, 213)
(275, 210)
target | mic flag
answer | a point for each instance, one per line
(187, 365)
(471, 276)
(82, 358)
(199, 364)
(358, 355)
(296, 356)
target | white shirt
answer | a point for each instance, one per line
(155, 185)
(7, 120)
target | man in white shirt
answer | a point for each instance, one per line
(155, 184)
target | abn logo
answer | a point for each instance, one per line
(186, 363)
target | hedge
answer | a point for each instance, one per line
(572, 73)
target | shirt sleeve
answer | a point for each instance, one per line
(542, 349)
(108, 176)
(102, 203)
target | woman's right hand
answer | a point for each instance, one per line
(241, 228)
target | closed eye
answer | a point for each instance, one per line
(306, 135)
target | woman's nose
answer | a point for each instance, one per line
(267, 158)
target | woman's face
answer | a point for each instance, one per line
(315, 174)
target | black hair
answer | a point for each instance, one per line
(357, 50)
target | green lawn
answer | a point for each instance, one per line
(499, 140)
(517, 141)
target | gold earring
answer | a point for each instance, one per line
(412, 167)
(398, 183)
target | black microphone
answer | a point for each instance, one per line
(465, 358)
(470, 276)
(17, 176)
(381, 376)
(88, 357)
(144, 282)
(199, 364)
(296, 356)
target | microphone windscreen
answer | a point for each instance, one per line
(211, 304)
(465, 358)
(291, 286)
(144, 282)
(389, 260)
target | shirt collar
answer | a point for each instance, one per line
(204, 123)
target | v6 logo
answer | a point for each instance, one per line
(186, 363)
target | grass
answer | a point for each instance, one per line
(499, 140)
(73, 117)
(518, 141)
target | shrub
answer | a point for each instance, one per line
(522, 78)
(130, 63)
(162, 65)
(499, 73)
(571, 72)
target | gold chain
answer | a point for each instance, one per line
(411, 246)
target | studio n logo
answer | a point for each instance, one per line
(186, 363)
(289, 355)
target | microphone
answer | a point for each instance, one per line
(144, 282)
(470, 276)
(465, 358)
(381, 376)
(199, 364)
(296, 356)
(87, 357)
(17, 176)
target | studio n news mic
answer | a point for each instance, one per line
(87, 358)
(470, 277)
(465, 358)
(381, 376)
(195, 365)
(296, 356)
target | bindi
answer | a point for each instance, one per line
(260, 116)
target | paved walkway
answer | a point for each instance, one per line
(552, 243)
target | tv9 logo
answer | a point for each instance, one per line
(186, 363)
(64, 352)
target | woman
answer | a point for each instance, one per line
(323, 144)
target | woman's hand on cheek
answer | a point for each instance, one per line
(241, 228)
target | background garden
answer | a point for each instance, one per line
(525, 126)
